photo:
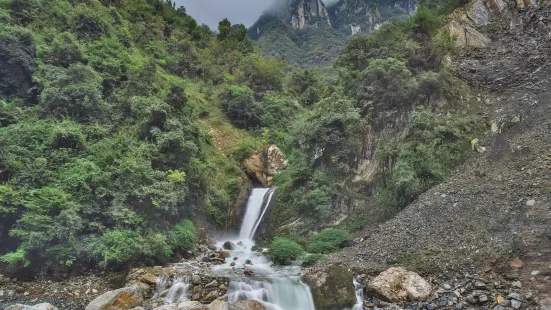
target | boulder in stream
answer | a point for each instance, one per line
(399, 285)
(332, 288)
(121, 299)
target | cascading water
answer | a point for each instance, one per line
(359, 296)
(178, 291)
(278, 288)
(160, 284)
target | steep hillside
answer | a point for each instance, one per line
(491, 219)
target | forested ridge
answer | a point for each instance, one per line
(123, 124)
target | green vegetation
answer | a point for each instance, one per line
(283, 250)
(328, 241)
(113, 133)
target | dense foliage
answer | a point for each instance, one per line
(283, 250)
(107, 125)
(328, 241)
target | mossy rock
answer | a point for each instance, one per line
(332, 288)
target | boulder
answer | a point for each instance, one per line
(186, 305)
(332, 288)
(264, 165)
(35, 307)
(148, 279)
(121, 299)
(398, 285)
(237, 305)
(228, 245)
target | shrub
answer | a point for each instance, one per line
(182, 236)
(239, 105)
(312, 259)
(328, 241)
(283, 250)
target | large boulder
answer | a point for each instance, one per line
(264, 165)
(332, 288)
(399, 285)
(35, 307)
(237, 305)
(121, 299)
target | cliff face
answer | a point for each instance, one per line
(307, 12)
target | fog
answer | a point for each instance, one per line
(211, 12)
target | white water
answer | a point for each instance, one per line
(178, 291)
(359, 296)
(278, 288)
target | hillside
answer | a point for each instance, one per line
(309, 34)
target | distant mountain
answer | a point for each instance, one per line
(307, 32)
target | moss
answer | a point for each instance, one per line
(336, 291)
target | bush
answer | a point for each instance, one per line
(239, 105)
(312, 259)
(328, 241)
(283, 250)
(182, 236)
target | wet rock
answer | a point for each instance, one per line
(398, 285)
(43, 306)
(211, 296)
(148, 278)
(213, 283)
(196, 279)
(186, 305)
(237, 305)
(248, 262)
(228, 245)
(121, 299)
(205, 259)
(264, 165)
(331, 288)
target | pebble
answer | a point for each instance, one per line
(506, 303)
(516, 304)
(94, 291)
(530, 203)
(517, 284)
(515, 296)
(480, 285)
(482, 298)
(459, 306)
(1, 293)
(447, 286)
(499, 308)
(26, 294)
(535, 272)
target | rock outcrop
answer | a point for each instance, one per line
(399, 285)
(121, 299)
(43, 306)
(307, 12)
(264, 165)
(465, 23)
(331, 288)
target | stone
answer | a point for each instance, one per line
(459, 306)
(447, 287)
(248, 262)
(517, 284)
(480, 285)
(515, 296)
(499, 308)
(516, 263)
(516, 304)
(482, 298)
(398, 285)
(265, 164)
(211, 296)
(213, 283)
(148, 279)
(506, 303)
(335, 279)
(500, 299)
(205, 259)
(195, 279)
(43, 306)
(535, 273)
(186, 305)
(228, 245)
(237, 305)
(530, 203)
(121, 299)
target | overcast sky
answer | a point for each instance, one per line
(211, 12)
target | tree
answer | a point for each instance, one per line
(239, 105)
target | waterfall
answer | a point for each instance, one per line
(359, 296)
(278, 288)
(178, 291)
(160, 284)
(258, 204)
